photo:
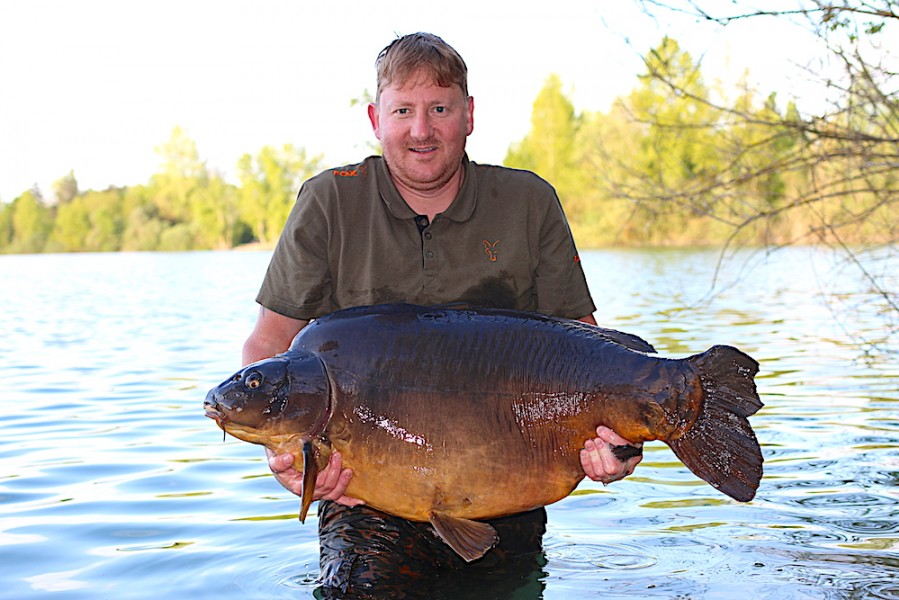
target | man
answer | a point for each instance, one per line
(423, 225)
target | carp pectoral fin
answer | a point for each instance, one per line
(470, 539)
(310, 473)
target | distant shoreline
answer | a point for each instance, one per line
(253, 246)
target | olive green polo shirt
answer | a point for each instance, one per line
(352, 240)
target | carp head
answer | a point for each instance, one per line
(272, 401)
(282, 403)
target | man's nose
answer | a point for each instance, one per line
(421, 126)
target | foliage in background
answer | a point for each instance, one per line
(678, 161)
(184, 206)
(682, 162)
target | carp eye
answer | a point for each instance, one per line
(254, 380)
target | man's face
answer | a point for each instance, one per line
(422, 129)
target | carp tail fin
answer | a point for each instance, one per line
(470, 539)
(310, 473)
(721, 447)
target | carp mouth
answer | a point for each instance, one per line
(242, 431)
(212, 411)
(220, 418)
(227, 424)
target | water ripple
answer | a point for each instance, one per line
(113, 483)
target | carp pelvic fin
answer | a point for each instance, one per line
(721, 447)
(310, 473)
(470, 539)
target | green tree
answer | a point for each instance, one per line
(675, 157)
(71, 227)
(182, 173)
(549, 147)
(214, 212)
(143, 229)
(838, 162)
(177, 238)
(142, 224)
(792, 177)
(607, 144)
(65, 188)
(269, 184)
(6, 231)
(32, 222)
(104, 211)
(758, 158)
(673, 149)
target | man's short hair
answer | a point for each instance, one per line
(406, 55)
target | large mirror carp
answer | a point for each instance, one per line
(430, 406)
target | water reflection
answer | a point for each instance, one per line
(112, 482)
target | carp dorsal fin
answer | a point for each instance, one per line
(470, 539)
(310, 473)
(628, 340)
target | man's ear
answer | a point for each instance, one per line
(375, 119)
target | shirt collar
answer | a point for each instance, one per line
(460, 210)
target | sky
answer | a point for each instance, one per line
(96, 86)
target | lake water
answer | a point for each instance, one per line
(113, 484)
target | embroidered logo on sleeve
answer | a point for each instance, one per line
(490, 249)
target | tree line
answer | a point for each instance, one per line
(682, 162)
(184, 206)
(678, 161)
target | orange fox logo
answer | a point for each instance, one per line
(490, 249)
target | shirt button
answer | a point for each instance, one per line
(428, 235)
(429, 254)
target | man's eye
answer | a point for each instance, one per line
(440, 109)
(402, 111)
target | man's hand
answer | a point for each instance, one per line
(598, 461)
(330, 484)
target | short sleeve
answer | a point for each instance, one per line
(298, 281)
(560, 282)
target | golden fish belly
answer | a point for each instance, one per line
(481, 414)
(480, 456)
(463, 485)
